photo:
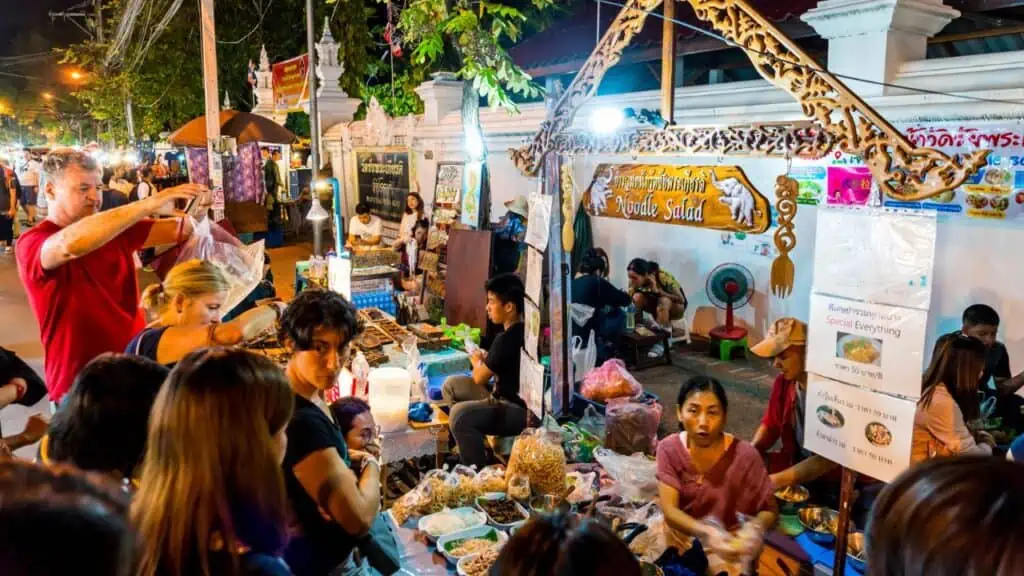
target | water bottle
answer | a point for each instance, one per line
(631, 317)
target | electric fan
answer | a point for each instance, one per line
(730, 286)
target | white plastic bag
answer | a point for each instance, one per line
(360, 376)
(583, 359)
(242, 266)
(635, 476)
(412, 366)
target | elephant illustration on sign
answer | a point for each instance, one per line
(737, 197)
(601, 190)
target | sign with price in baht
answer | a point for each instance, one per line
(712, 197)
(290, 81)
(866, 336)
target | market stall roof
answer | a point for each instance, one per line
(242, 126)
(565, 45)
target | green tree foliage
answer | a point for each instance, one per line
(476, 35)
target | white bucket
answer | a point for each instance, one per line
(389, 398)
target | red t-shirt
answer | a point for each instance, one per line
(780, 417)
(84, 307)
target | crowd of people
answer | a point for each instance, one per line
(172, 451)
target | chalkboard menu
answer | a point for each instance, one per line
(383, 182)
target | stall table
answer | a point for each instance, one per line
(438, 428)
(634, 348)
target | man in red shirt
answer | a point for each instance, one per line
(786, 345)
(78, 265)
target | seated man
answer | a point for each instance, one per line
(364, 229)
(982, 322)
(479, 409)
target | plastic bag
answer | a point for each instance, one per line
(635, 476)
(583, 359)
(650, 544)
(491, 479)
(412, 366)
(579, 444)
(242, 266)
(632, 426)
(538, 455)
(611, 380)
(593, 422)
(360, 376)
(583, 487)
(465, 489)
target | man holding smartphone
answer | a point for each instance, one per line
(78, 265)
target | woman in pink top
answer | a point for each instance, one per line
(714, 486)
(949, 399)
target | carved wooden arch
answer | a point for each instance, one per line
(843, 120)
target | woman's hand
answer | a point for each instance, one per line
(986, 438)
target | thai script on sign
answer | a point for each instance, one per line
(964, 137)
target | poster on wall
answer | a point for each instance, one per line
(538, 223)
(383, 178)
(857, 428)
(848, 185)
(290, 83)
(534, 273)
(712, 197)
(876, 346)
(876, 255)
(471, 193)
(532, 327)
(531, 384)
(813, 182)
(448, 188)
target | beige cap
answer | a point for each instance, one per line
(785, 332)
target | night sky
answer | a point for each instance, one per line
(26, 28)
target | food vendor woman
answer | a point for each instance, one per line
(786, 344)
(707, 479)
(410, 250)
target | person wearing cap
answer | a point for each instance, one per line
(510, 235)
(786, 345)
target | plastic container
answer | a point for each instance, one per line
(485, 532)
(389, 398)
(492, 496)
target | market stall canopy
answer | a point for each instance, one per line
(242, 126)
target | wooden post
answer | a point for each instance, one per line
(845, 503)
(209, 44)
(668, 62)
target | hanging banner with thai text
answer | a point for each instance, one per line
(383, 178)
(290, 80)
(713, 197)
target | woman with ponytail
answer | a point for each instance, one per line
(188, 306)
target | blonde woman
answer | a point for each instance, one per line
(211, 500)
(188, 306)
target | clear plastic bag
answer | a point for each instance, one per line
(538, 455)
(610, 380)
(631, 426)
(412, 366)
(593, 422)
(491, 479)
(465, 489)
(584, 487)
(635, 476)
(242, 266)
(650, 544)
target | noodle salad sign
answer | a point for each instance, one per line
(713, 197)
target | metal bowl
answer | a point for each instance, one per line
(791, 506)
(855, 552)
(821, 524)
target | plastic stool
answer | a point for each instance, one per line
(725, 348)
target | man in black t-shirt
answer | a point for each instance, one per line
(478, 407)
(982, 322)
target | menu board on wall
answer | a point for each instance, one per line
(995, 192)
(876, 346)
(866, 334)
(875, 256)
(383, 178)
(860, 429)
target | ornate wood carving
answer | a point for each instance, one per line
(568, 234)
(902, 171)
(783, 271)
(795, 140)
